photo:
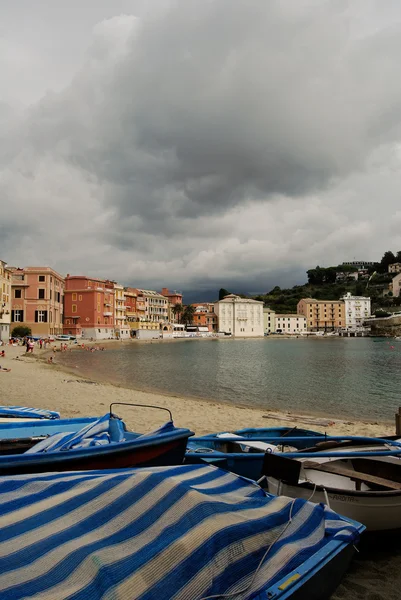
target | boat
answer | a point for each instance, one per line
(360, 481)
(188, 531)
(242, 451)
(24, 413)
(93, 443)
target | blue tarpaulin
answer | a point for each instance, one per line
(179, 533)
(26, 412)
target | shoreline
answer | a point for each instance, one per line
(34, 382)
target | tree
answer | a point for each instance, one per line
(387, 259)
(188, 314)
(21, 331)
(398, 256)
(222, 293)
(177, 311)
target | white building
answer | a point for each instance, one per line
(5, 302)
(241, 317)
(395, 285)
(290, 323)
(394, 268)
(357, 310)
(269, 320)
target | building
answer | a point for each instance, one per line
(241, 317)
(394, 268)
(155, 304)
(121, 328)
(357, 310)
(322, 315)
(360, 264)
(395, 286)
(204, 316)
(89, 307)
(37, 300)
(131, 313)
(269, 321)
(173, 299)
(5, 302)
(290, 323)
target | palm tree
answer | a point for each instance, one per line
(188, 314)
(178, 309)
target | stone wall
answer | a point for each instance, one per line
(389, 326)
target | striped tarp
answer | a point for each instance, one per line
(179, 533)
(29, 413)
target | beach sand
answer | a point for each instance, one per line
(32, 382)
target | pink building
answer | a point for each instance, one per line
(89, 307)
(37, 300)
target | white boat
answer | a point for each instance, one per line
(364, 488)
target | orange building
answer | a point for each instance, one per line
(173, 299)
(89, 307)
(205, 316)
(322, 315)
(37, 300)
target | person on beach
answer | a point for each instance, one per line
(5, 370)
(50, 360)
(3, 353)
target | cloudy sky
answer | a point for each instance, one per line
(199, 143)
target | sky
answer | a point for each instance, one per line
(199, 144)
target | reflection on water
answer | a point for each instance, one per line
(341, 376)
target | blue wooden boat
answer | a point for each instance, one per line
(237, 455)
(190, 531)
(11, 413)
(91, 443)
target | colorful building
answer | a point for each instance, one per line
(173, 299)
(240, 317)
(131, 313)
(37, 300)
(290, 323)
(205, 316)
(89, 307)
(322, 315)
(5, 302)
(121, 327)
(156, 306)
(268, 321)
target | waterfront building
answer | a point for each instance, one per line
(173, 299)
(268, 320)
(89, 307)
(290, 323)
(322, 315)
(395, 286)
(131, 313)
(37, 300)
(241, 317)
(394, 268)
(155, 304)
(121, 328)
(5, 302)
(357, 310)
(205, 316)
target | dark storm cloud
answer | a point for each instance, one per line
(213, 139)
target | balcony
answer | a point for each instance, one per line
(108, 314)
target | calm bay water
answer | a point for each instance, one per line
(355, 378)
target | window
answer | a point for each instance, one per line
(50, 316)
(74, 297)
(74, 308)
(80, 297)
(17, 293)
(41, 295)
(40, 316)
(42, 278)
(17, 316)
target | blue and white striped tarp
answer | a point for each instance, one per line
(28, 413)
(179, 533)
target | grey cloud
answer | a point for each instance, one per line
(213, 137)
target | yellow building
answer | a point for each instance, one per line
(5, 302)
(322, 315)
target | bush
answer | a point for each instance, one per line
(382, 313)
(21, 331)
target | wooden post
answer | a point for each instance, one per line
(398, 422)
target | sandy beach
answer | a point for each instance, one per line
(33, 382)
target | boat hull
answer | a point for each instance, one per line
(379, 511)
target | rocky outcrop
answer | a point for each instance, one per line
(388, 326)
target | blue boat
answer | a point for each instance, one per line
(26, 413)
(91, 443)
(184, 532)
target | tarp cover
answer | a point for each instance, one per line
(26, 412)
(178, 533)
